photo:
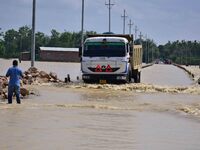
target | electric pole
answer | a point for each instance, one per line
(136, 30)
(140, 35)
(146, 49)
(124, 19)
(130, 26)
(109, 4)
(82, 26)
(152, 57)
(33, 36)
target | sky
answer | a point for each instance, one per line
(160, 20)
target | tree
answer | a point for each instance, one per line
(54, 39)
(24, 39)
(2, 48)
(1, 33)
(182, 52)
(41, 40)
(150, 50)
(11, 43)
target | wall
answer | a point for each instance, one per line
(60, 56)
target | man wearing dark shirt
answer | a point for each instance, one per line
(14, 83)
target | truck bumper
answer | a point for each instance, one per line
(105, 77)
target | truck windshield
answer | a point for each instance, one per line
(104, 49)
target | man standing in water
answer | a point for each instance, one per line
(14, 84)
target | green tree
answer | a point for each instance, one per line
(54, 39)
(2, 48)
(11, 43)
(182, 52)
(41, 40)
(24, 39)
(150, 50)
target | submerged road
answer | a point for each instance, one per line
(101, 119)
(161, 74)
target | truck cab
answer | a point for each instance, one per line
(106, 59)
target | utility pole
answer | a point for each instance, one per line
(109, 4)
(152, 51)
(140, 35)
(146, 48)
(130, 26)
(82, 27)
(124, 21)
(33, 36)
(136, 30)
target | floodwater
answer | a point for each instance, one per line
(101, 119)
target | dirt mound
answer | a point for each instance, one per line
(34, 76)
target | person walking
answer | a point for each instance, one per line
(14, 73)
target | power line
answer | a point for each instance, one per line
(109, 4)
(130, 26)
(124, 21)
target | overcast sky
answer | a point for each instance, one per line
(161, 20)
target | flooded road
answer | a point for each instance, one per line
(165, 75)
(96, 119)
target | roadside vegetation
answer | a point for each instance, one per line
(13, 42)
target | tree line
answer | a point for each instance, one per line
(181, 52)
(13, 42)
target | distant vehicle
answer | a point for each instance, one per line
(157, 61)
(111, 57)
(167, 61)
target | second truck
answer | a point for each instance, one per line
(109, 58)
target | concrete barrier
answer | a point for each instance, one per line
(181, 67)
(147, 65)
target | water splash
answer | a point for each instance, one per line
(140, 88)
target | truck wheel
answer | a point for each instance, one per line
(139, 77)
(129, 75)
(136, 77)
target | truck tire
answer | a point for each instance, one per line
(139, 77)
(136, 76)
(129, 75)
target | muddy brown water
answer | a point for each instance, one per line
(101, 119)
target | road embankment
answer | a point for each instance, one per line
(193, 71)
(147, 65)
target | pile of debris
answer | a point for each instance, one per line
(31, 76)
(34, 76)
(4, 89)
(3, 86)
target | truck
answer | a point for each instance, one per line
(109, 58)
